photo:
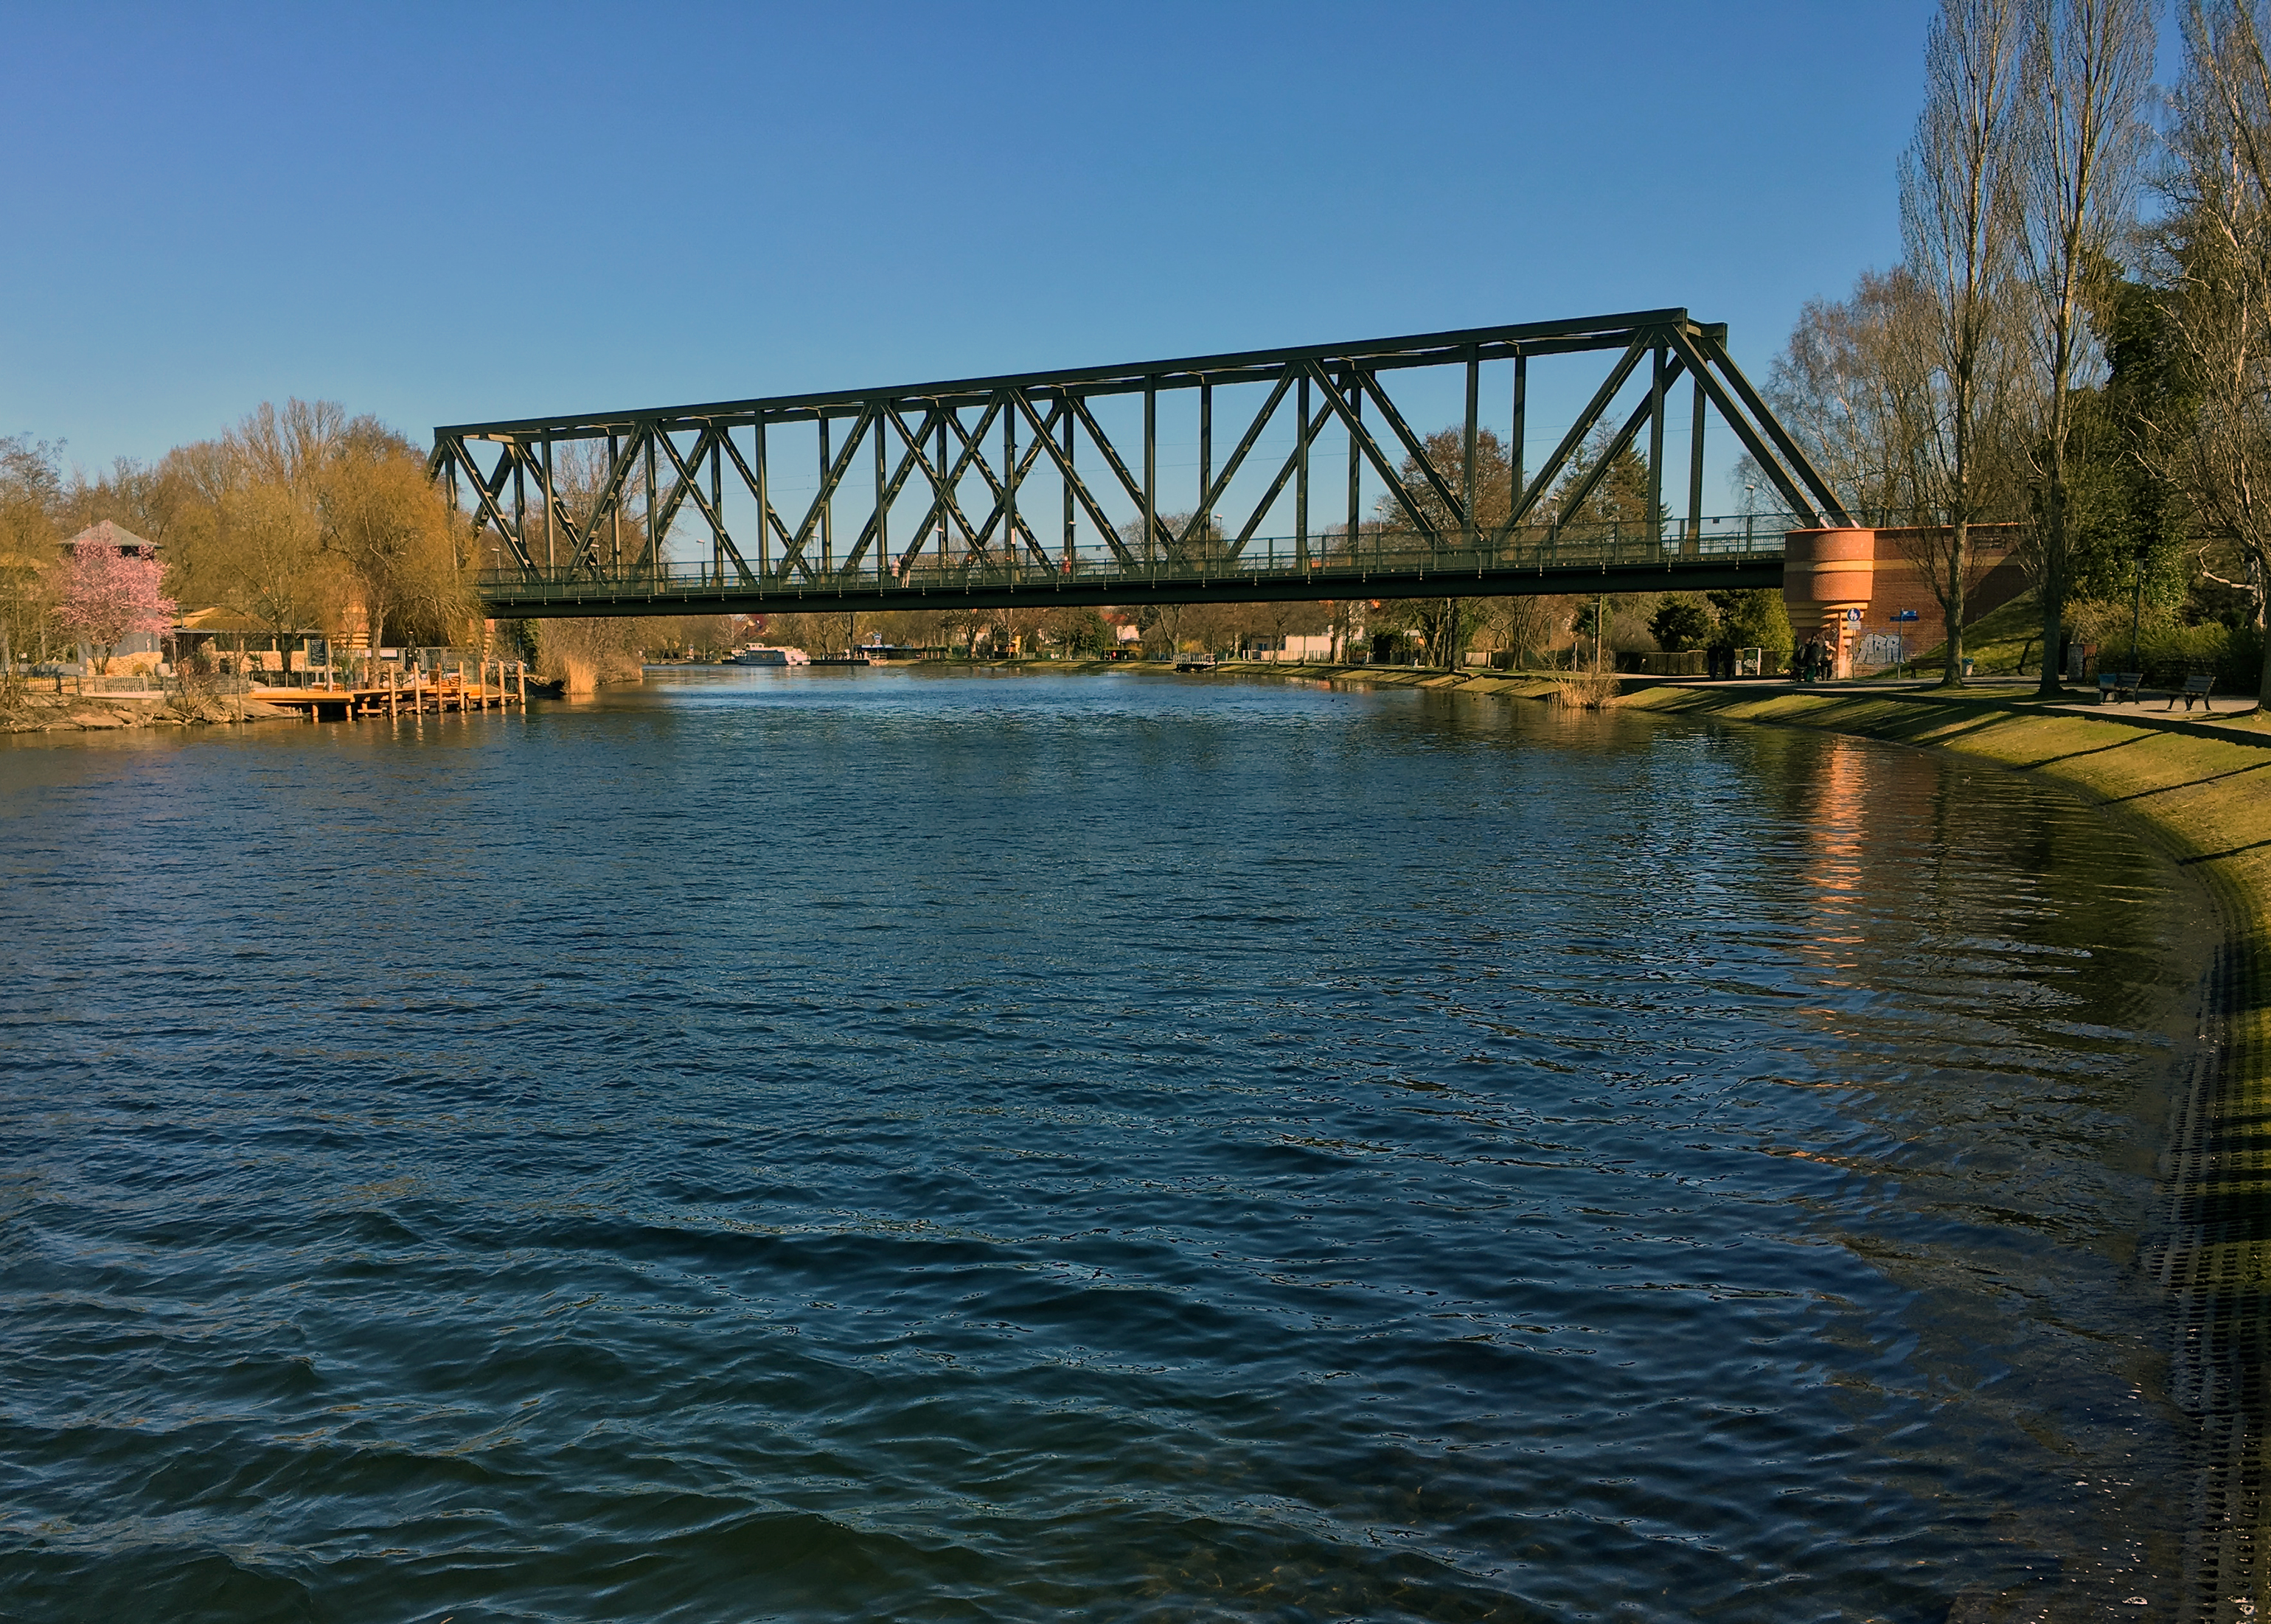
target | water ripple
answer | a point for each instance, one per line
(888, 1145)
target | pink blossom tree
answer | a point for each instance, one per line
(103, 597)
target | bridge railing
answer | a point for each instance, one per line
(951, 565)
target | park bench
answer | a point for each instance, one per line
(2195, 688)
(2117, 685)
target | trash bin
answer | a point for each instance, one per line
(1967, 665)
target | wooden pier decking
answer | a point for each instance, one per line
(420, 694)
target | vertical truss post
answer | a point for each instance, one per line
(1521, 424)
(1355, 398)
(653, 556)
(1204, 529)
(718, 510)
(882, 505)
(1656, 444)
(1070, 507)
(1301, 473)
(551, 510)
(764, 498)
(938, 486)
(615, 507)
(1695, 467)
(1150, 463)
(1010, 488)
(519, 503)
(1474, 426)
(827, 502)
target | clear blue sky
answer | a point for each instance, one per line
(447, 213)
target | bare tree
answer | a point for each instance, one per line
(271, 566)
(1446, 624)
(293, 446)
(1958, 204)
(140, 496)
(2221, 189)
(579, 477)
(1527, 626)
(1291, 617)
(405, 552)
(1855, 385)
(30, 491)
(2084, 75)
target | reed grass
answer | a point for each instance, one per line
(1587, 689)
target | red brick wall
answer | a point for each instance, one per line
(1901, 584)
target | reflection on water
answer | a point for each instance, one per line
(896, 1144)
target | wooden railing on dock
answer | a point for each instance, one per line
(420, 694)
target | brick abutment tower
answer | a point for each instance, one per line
(1827, 577)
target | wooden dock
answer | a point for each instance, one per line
(498, 684)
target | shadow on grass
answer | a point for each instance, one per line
(2189, 783)
(2076, 755)
(2218, 856)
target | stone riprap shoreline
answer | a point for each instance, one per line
(36, 712)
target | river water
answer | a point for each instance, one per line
(833, 1144)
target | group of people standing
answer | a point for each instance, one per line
(1815, 661)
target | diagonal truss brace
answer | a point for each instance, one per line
(1055, 412)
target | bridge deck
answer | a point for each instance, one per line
(1255, 575)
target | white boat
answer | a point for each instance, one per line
(761, 653)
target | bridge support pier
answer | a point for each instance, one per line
(1826, 574)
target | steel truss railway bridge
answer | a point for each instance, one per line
(1043, 489)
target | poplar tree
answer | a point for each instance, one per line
(2220, 314)
(1958, 222)
(2084, 74)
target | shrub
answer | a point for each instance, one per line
(2168, 652)
(1587, 689)
(1679, 624)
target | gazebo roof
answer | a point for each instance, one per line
(107, 533)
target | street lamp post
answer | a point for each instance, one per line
(2137, 606)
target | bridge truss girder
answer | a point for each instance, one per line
(965, 448)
